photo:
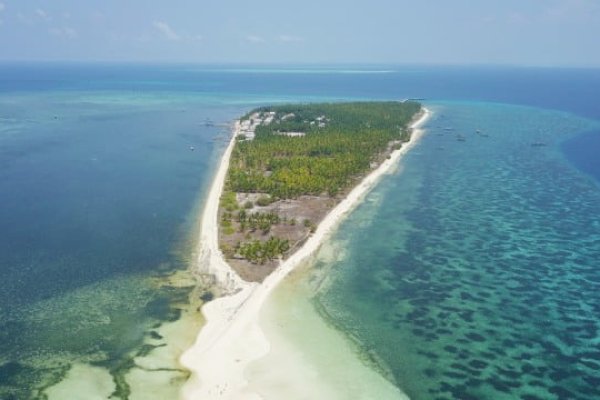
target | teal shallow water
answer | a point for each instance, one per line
(473, 273)
(99, 193)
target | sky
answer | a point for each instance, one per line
(496, 32)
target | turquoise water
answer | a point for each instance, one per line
(100, 193)
(103, 173)
(473, 273)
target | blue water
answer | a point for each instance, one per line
(582, 151)
(475, 269)
(99, 193)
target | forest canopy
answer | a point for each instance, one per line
(316, 149)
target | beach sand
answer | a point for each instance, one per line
(308, 358)
(233, 336)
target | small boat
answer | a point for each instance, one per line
(192, 148)
(538, 144)
(460, 138)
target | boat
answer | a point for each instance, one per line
(538, 144)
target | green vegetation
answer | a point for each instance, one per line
(229, 201)
(308, 149)
(257, 251)
(264, 201)
(341, 141)
(257, 220)
(310, 225)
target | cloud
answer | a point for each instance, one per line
(166, 30)
(42, 14)
(572, 10)
(2, 7)
(290, 39)
(64, 32)
(254, 39)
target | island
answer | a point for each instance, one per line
(289, 175)
(292, 164)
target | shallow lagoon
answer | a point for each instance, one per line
(472, 273)
(100, 195)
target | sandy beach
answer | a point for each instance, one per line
(232, 337)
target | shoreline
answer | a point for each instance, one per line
(232, 337)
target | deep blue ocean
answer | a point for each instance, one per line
(483, 282)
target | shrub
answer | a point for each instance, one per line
(207, 296)
(264, 200)
(229, 201)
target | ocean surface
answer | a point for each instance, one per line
(469, 273)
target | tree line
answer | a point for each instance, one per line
(341, 141)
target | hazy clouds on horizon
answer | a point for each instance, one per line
(525, 32)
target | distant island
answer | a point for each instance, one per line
(291, 164)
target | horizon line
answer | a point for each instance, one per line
(300, 64)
